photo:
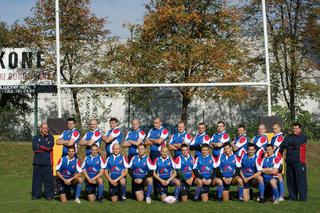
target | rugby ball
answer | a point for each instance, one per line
(170, 200)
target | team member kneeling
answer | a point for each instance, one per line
(93, 168)
(116, 171)
(165, 174)
(229, 169)
(270, 166)
(250, 172)
(205, 172)
(69, 172)
(141, 171)
(184, 166)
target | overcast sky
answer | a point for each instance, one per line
(117, 12)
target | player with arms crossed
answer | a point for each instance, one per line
(93, 168)
(199, 139)
(134, 138)
(239, 145)
(260, 140)
(116, 170)
(70, 137)
(113, 136)
(251, 173)
(270, 166)
(69, 175)
(91, 137)
(205, 172)
(276, 141)
(165, 174)
(179, 138)
(156, 138)
(184, 166)
(218, 139)
(228, 165)
(141, 171)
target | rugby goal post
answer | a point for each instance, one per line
(227, 84)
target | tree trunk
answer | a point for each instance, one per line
(184, 107)
(76, 107)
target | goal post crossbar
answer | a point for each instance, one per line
(220, 84)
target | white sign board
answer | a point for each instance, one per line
(17, 64)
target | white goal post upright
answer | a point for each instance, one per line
(222, 84)
(266, 51)
(58, 57)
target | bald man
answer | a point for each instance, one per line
(42, 145)
(134, 138)
(156, 138)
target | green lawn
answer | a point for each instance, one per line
(15, 188)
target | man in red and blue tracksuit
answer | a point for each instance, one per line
(42, 146)
(296, 174)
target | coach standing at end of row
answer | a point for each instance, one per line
(296, 146)
(42, 145)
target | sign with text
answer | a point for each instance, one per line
(21, 66)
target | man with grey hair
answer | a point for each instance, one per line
(42, 145)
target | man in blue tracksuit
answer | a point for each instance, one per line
(42, 146)
(296, 174)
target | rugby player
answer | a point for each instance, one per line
(165, 174)
(134, 138)
(205, 173)
(184, 166)
(251, 173)
(199, 139)
(113, 136)
(93, 136)
(179, 138)
(93, 168)
(116, 170)
(218, 139)
(228, 165)
(141, 171)
(270, 166)
(69, 175)
(69, 137)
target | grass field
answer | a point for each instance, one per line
(15, 189)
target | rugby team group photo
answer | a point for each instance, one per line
(191, 165)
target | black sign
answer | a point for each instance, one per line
(29, 89)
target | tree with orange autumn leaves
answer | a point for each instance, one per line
(185, 41)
